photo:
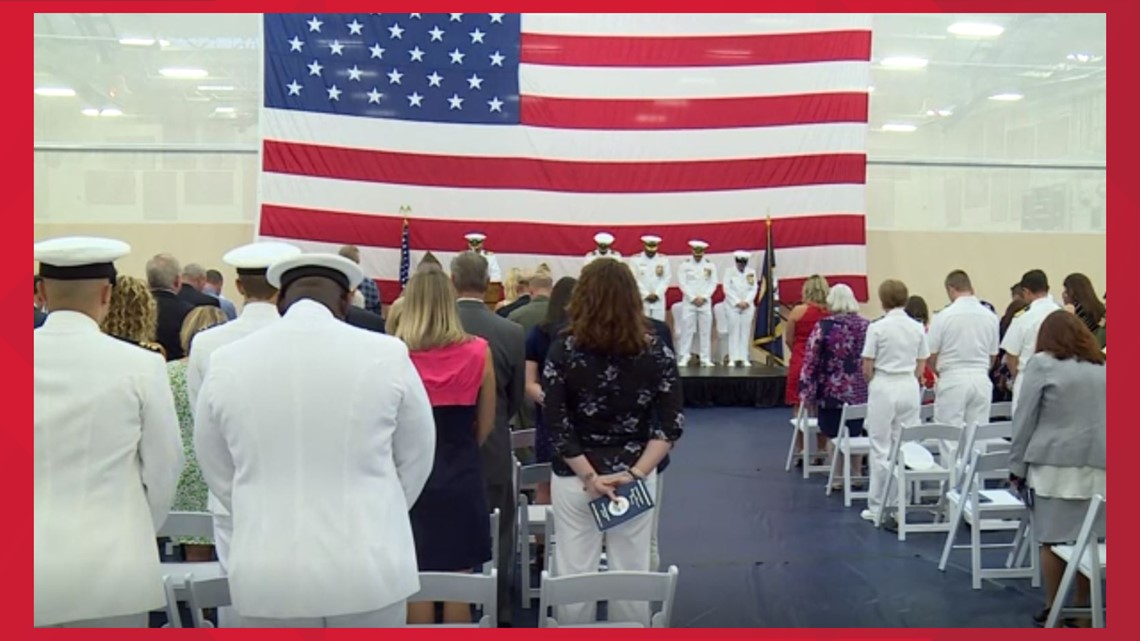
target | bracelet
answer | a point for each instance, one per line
(635, 473)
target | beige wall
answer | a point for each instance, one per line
(921, 259)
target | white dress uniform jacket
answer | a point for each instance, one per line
(1021, 337)
(653, 277)
(318, 437)
(108, 455)
(696, 279)
(964, 335)
(740, 286)
(493, 272)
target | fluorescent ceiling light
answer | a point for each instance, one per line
(900, 128)
(215, 87)
(976, 29)
(55, 92)
(224, 110)
(904, 62)
(111, 112)
(1084, 57)
(137, 42)
(90, 112)
(183, 72)
(164, 43)
(942, 113)
(1006, 97)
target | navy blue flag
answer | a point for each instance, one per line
(769, 335)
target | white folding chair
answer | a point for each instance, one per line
(204, 594)
(987, 437)
(489, 566)
(910, 465)
(1090, 559)
(189, 525)
(926, 413)
(173, 616)
(522, 439)
(987, 510)
(649, 587)
(1002, 411)
(531, 523)
(480, 590)
(849, 446)
(809, 427)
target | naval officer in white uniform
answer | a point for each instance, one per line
(317, 437)
(697, 279)
(1020, 342)
(894, 357)
(603, 242)
(108, 452)
(653, 274)
(740, 289)
(475, 243)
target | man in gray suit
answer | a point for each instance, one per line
(469, 274)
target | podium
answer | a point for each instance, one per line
(493, 295)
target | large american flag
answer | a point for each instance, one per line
(540, 130)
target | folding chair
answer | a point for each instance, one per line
(489, 566)
(1090, 559)
(987, 437)
(522, 439)
(531, 522)
(926, 413)
(809, 427)
(651, 587)
(849, 446)
(1002, 411)
(910, 465)
(188, 524)
(480, 590)
(987, 510)
(173, 616)
(204, 594)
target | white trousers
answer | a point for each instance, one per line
(962, 398)
(739, 332)
(579, 549)
(654, 553)
(393, 616)
(656, 310)
(126, 621)
(223, 532)
(695, 320)
(892, 401)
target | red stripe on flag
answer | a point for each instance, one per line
(558, 175)
(696, 113)
(544, 239)
(695, 51)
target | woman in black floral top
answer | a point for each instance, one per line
(613, 407)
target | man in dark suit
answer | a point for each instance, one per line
(164, 277)
(469, 274)
(193, 282)
(364, 319)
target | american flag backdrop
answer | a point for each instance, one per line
(540, 130)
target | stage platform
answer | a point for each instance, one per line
(721, 386)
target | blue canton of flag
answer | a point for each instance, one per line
(437, 67)
(405, 255)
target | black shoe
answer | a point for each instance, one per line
(891, 524)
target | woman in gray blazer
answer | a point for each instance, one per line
(1059, 439)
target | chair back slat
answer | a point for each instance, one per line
(929, 431)
(522, 439)
(926, 413)
(647, 587)
(1001, 411)
(854, 412)
(476, 589)
(205, 594)
(991, 462)
(532, 475)
(188, 524)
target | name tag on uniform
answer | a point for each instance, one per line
(660, 270)
(752, 279)
(633, 501)
(708, 273)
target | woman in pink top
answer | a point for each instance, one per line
(451, 520)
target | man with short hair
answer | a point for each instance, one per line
(1020, 340)
(507, 342)
(534, 312)
(368, 286)
(108, 451)
(193, 286)
(38, 302)
(164, 277)
(214, 284)
(318, 438)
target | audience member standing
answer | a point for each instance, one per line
(697, 279)
(613, 404)
(1021, 339)
(132, 315)
(801, 320)
(1080, 298)
(214, 284)
(107, 456)
(332, 432)
(469, 275)
(164, 277)
(514, 291)
(533, 312)
(917, 309)
(1059, 443)
(894, 357)
(194, 285)
(367, 286)
(451, 520)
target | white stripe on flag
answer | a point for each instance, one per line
(689, 24)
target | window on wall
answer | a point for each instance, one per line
(978, 122)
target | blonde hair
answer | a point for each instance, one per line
(429, 317)
(513, 285)
(133, 313)
(199, 319)
(815, 290)
(395, 310)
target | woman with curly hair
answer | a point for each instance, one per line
(133, 314)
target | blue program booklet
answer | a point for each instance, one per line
(634, 500)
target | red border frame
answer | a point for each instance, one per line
(16, 354)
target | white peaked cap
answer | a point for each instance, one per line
(257, 257)
(473, 236)
(79, 257)
(603, 238)
(651, 240)
(336, 268)
(698, 244)
(741, 254)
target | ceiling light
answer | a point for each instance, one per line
(904, 62)
(164, 43)
(899, 128)
(55, 92)
(224, 110)
(137, 42)
(111, 112)
(215, 87)
(975, 29)
(90, 112)
(1006, 97)
(871, 89)
(1084, 57)
(941, 113)
(183, 72)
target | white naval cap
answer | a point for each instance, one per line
(651, 240)
(475, 237)
(604, 238)
(254, 259)
(698, 244)
(741, 254)
(335, 268)
(79, 257)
